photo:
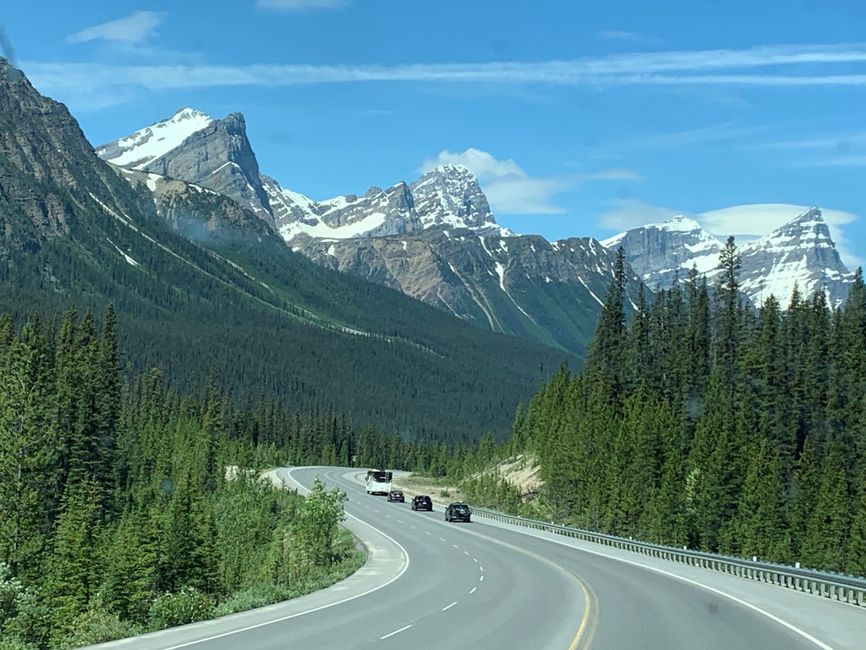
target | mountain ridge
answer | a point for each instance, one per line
(800, 253)
(436, 240)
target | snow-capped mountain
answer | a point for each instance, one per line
(448, 195)
(658, 251)
(800, 253)
(196, 148)
(435, 239)
(375, 214)
(141, 148)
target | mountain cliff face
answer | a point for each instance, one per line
(658, 252)
(800, 253)
(191, 146)
(522, 285)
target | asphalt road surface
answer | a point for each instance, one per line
(433, 584)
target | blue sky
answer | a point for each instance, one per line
(579, 118)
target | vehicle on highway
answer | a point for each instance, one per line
(422, 502)
(378, 482)
(458, 512)
(396, 495)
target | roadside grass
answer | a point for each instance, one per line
(351, 559)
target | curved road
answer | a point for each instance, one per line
(432, 584)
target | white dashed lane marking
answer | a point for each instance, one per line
(445, 609)
(455, 546)
(480, 578)
(402, 629)
(475, 559)
(465, 552)
(441, 539)
(472, 591)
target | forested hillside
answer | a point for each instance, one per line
(708, 424)
(127, 507)
(203, 288)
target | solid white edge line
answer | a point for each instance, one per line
(445, 609)
(736, 599)
(315, 609)
(402, 629)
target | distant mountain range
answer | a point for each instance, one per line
(435, 238)
(800, 254)
(206, 289)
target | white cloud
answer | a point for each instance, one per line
(481, 163)
(301, 5)
(756, 220)
(511, 190)
(136, 28)
(674, 68)
(508, 187)
(625, 214)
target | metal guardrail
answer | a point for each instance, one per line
(846, 589)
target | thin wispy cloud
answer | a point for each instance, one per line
(627, 36)
(838, 161)
(301, 5)
(712, 134)
(625, 214)
(134, 29)
(654, 68)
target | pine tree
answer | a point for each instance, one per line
(760, 527)
(28, 451)
(73, 575)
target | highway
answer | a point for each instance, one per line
(433, 584)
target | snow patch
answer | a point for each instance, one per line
(153, 142)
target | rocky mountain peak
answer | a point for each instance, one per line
(451, 195)
(799, 253)
(193, 147)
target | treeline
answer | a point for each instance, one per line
(127, 507)
(706, 423)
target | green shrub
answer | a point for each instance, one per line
(185, 606)
(10, 642)
(98, 626)
(258, 596)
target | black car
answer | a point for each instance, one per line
(396, 495)
(458, 512)
(422, 502)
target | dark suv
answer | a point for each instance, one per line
(396, 495)
(422, 502)
(458, 512)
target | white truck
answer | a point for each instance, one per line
(378, 481)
